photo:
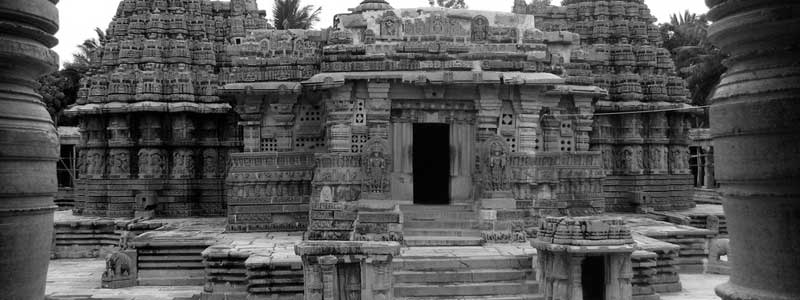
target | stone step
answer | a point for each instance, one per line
(437, 232)
(497, 297)
(434, 215)
(440, 264)
(481, 275)
(441, 241)
(466, 289)
(454, 207)
(461, 224)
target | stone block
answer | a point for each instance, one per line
(379, 218)
(499, 203)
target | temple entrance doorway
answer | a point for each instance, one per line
(431, 155)
(593, 278)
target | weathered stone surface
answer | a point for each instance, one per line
(29, 147)
(755, 134)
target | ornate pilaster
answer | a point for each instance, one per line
(378, 110)
(29, 147)
(489, 106)
(528, 121)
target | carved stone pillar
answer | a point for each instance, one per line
(378, 110)
(29, 147)
(583, 124)
(551, 133)
(602, 137)
(528, 122)
(489, 106)
(363, 268)
(754, 119)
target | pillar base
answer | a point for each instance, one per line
(730, 291)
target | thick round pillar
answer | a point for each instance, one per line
(28, 147)
(755, 124)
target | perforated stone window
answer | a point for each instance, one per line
(357, 143)
(269, 145)
(310, 113)
(359, 112)
(309, 143)
(512, 143)
(566, 145)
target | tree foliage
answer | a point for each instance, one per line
(60, 89)
(452, 3)
(287, 14)
(696, 60)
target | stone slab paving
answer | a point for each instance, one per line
(704, 210)
(697, 287)
(79, 279)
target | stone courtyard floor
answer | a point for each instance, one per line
(79, 279)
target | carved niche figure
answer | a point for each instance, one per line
(376, 166)
(96, 163)
(119, 163)
(210, 163)
(480, 29)
(183, 164)
(390, 24)
(495, 164)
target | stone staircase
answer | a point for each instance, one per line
(438, 226)
(450, 278)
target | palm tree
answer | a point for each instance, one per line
(451, 3)
(82, 59)
(695, 58)
(60, 89)
(287, 14)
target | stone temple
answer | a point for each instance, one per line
(354, 162)
(198, 110)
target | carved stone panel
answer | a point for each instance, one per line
(376, 164)
(494, 164)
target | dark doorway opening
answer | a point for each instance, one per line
(593, 278)
(431, 155)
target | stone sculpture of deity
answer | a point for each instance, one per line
(376, 166)
(495, 164)
(498, 161)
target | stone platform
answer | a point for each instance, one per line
(196, 257)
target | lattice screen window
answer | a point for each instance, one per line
(507, 120)
(566, 128)
(357, 143)
(269, 145)
(512, 143)
(359, 112)
(309, 143)
(566, 145)
(310, 113)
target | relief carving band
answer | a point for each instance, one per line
(376, 163)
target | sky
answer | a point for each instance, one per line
(78, 18)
